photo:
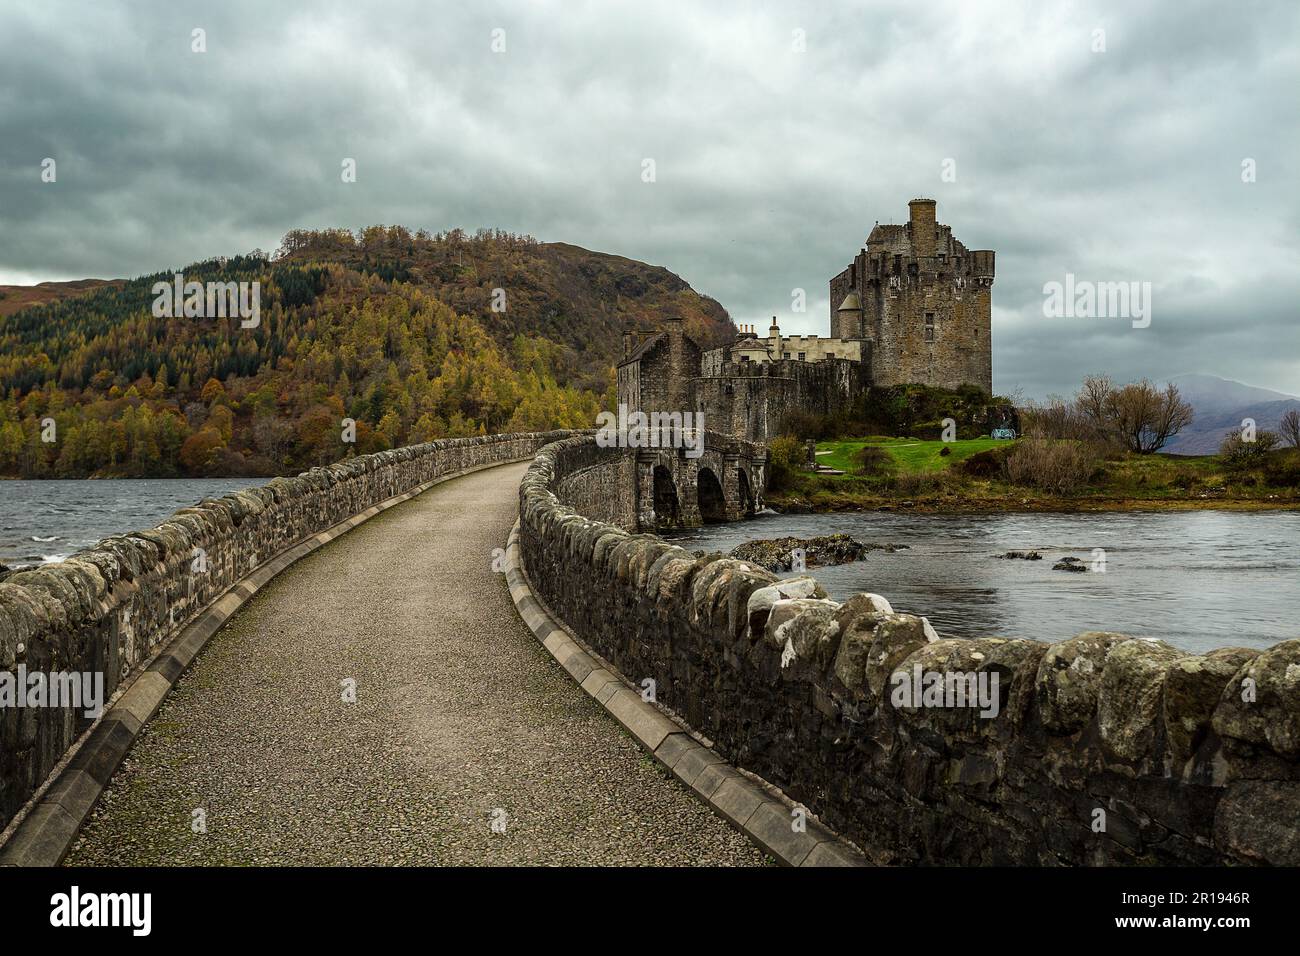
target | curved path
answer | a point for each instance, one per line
(460, 717)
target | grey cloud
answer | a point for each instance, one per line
(772, 165)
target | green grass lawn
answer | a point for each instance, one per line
(910, 454)
(1162, 475)
(923, 478)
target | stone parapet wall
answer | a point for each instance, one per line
(1104, 749)
(108, 608)
(600, 482)
(751, 399)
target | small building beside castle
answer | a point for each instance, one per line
(914, 306)
(657, 367)
(801, 348)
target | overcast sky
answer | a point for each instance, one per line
(772, 162)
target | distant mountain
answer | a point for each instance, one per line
(1221, 405)
(14, 298)
(1214, 394)
(412, 336)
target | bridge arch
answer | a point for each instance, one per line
(713, 503)
(667, 505)
(746, 493)
(684, 488)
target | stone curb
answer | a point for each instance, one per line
(724, 789)
(47, 832)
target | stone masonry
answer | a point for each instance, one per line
(665, 371)
(653, 489)
(1104, 749)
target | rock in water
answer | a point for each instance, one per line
(775, 554)
(1069, 564)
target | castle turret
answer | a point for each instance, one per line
(922, 226)
(848, 317)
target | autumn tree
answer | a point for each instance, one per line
(200, 450)
(213, 392)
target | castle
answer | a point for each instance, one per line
(922, 301)
(913, 306)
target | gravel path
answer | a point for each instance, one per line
(460, 716)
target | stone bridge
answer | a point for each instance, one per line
(724, 483)
(459, 652)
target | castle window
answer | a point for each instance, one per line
(803, 356)
(929, 326)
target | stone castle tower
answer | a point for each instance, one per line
(923, 301)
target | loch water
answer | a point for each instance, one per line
(1197, 579)
(43, 521)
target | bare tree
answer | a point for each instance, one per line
(1170, 416)
(1145, 418)
(1095, 400)
(1058, 419)
(1289, 428)
(1139, 416)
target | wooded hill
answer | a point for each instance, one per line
(393, 329)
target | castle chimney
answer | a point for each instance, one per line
(923, 226)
